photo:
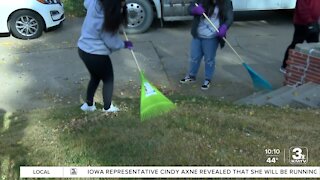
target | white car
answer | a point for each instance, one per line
(26, 19)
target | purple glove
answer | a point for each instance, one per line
(222, 31)
(128, 45)
(197, 10)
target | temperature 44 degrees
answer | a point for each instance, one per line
(272, 160)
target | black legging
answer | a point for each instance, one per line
(301, 34)
(100, 68)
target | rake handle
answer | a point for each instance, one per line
(133, 54)
(211, 23)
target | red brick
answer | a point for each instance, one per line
(310, 76)
(315, 65)
(298, 58)
(296, 53)
(295, 68)
(291, 82)
(314, 73)
(299, 72)
(294, 80)
(315, 59)
(312, 80)
(297, 64)
(294, 75)
(290, 74)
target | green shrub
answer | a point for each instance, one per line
(74, 8)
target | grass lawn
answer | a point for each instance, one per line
(199, 132)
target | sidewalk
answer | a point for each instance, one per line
(47, 71)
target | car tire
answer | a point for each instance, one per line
(140, 16)
(25, 24)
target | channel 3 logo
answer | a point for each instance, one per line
(298, 155)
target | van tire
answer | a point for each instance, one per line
(140, 16)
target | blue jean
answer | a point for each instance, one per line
(206, 48)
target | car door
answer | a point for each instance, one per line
(176, 10)
(6, 8)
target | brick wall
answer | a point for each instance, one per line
(303, 65)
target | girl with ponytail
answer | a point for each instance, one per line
(99, 38)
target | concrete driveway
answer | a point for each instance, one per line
(47, 71)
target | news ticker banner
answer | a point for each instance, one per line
(171, 172)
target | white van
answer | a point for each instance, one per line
(142, 12)
(26, 19)
(247, 5)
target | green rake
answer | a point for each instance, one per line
(152, 102)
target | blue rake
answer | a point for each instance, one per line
(258, 81)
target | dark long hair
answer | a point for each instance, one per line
(209, 6)
(113, 17)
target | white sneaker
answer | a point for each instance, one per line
(283, 70)
(188, 79)
(112, 109)
(85, 107)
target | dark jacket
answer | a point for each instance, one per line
(225, 14)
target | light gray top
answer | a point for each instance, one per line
(94, 39)
(205, 29)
